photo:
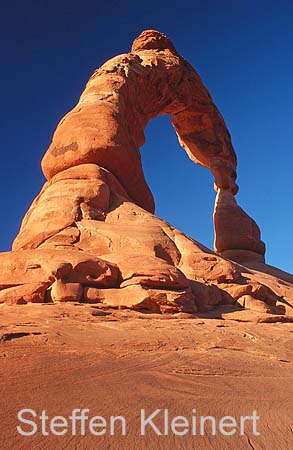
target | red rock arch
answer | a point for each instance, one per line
(106, 127)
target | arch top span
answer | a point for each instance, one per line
(106, 127)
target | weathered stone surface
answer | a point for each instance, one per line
(235, 230)
(45, 265)
(124, 236)
(27, 293)
(247, 301)
(91, 235)
(200, 263)
(148, 271)
(66, 292)
(64, 238)
(257, 290)
(84, 195)
(207, 296)
(138, 297)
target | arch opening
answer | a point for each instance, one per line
(183, 191)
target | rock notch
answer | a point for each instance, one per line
(91, 234)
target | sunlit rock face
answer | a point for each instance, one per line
(91, 234)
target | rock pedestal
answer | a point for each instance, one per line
(237, 236)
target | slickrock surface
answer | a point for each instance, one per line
(59, 357)
(91, 234)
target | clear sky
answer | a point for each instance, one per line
(241, 49)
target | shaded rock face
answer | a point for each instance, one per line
(91, 235)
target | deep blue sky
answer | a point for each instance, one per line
(241, 49)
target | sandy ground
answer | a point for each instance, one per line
(60, 357)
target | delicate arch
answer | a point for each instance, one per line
(106, 127)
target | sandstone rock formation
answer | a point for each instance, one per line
(237, 236)
(91, 234)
